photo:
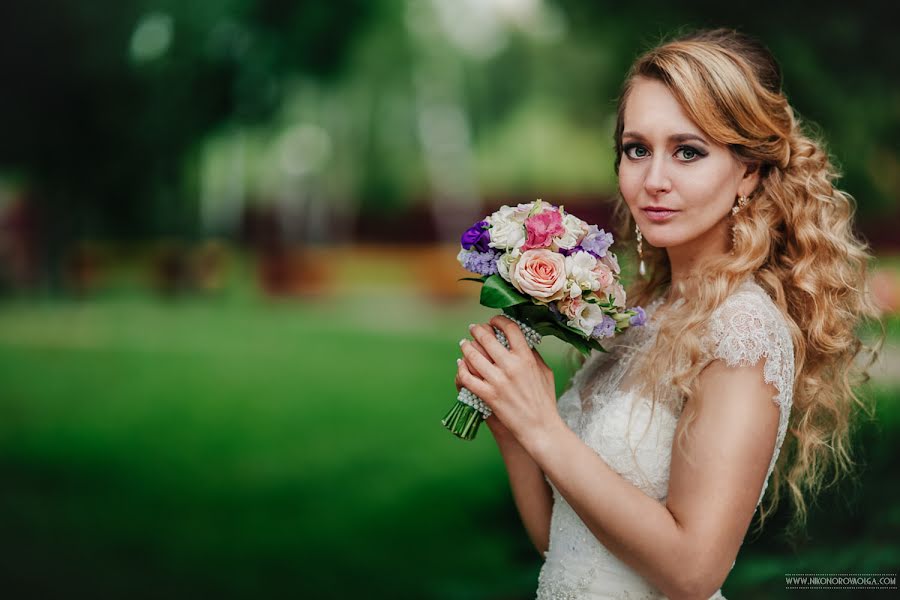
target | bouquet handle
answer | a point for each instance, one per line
(467, 413)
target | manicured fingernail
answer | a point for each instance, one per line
(462, 341)
(471, 326)
(458, 361)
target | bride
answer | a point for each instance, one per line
(642, 480)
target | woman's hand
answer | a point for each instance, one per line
(516, 384)
(501, 434)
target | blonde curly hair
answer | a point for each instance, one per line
(796, 237)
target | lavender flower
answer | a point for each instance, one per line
(483, 263)
(606, 328)
(597, 241)
(640, 318)
(478, 236)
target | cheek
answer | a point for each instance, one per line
(708, 186)
(629, 183)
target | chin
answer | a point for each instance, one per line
(667, 235)
(660, 241)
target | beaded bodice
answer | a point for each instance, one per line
(635, 438)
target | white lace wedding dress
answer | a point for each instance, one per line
(746, 327)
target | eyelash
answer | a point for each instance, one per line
(698, 154)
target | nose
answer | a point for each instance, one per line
(656, 180)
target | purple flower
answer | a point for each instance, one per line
(554, 310)
(640, 318)
(597, 241)
(477, 236)
(606, 328)
(483, 263)
(570, 251)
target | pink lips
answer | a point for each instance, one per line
(658, 214)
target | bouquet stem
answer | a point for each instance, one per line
(463, 421)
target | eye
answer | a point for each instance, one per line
(689, 153)
(640, 151)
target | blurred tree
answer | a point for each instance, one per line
(107, 105)
(103, 101)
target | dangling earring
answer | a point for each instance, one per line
(742, 202)
(640, 248)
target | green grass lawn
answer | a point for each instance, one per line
(153, 450)
(250, 449)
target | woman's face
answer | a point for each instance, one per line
(668, 162)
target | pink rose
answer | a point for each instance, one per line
(540, 229)
(540, 274)
(605, 276)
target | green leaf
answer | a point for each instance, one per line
(497, 293)
(539, 317)
(550, 326)
(478, 279)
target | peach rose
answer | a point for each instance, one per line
(570, 307)
(605, 276)
(540, 274)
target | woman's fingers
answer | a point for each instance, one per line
(477, 361)
(474, 384)
(513, 333)
(472, 369)
(497, 353)
(483, 352)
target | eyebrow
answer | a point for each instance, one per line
(676, 137)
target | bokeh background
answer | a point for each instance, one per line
(229, 301)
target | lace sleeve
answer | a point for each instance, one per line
(748, 327)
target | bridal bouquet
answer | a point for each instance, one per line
(551, 273)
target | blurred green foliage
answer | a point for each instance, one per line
(105, 127)
(113, 111)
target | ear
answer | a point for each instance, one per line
(750, 179)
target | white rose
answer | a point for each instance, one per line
(508, 227)
(587, 316)
(575, 230)
(580, 270)
(506, 262)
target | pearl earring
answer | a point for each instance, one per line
(642, 270)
